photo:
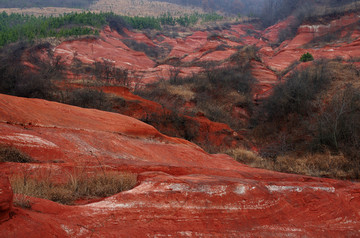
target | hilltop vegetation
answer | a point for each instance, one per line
(15, 27)
(46, 3)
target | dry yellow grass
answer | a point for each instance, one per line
(79, 185)
(43, 11)
(142, 8)
(345, 74)
(183, 91)
(121, 7)
(244, 156)
(318, 165)
(238, 97)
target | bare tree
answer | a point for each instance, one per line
(340, 121)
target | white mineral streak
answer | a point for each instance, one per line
(28, 140)
(111, 204)
(276, 188)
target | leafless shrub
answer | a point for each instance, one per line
(339, 124)
(297, 93)
(151, 51)
(12, 154)
(19, 80)
(89, 98)
(174, 75)
(107, 73)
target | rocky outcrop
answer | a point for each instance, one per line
(6, 198)
(182, 191)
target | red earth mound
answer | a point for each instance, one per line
(182, 191)
(309, 34)
(199, 46)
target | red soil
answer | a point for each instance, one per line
(203, 46)
(182, 191)
(271, 33)
(107, 47)
(266, 80)
(189, 44)
(196, 47)
(292, 50)
(206, 46)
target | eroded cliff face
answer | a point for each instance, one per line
(325, 38)
(182, 191)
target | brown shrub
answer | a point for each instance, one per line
(12, 154)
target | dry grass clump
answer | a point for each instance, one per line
(318, 165)
(244, 156)
(21, 200)
(12, 154)
(77, 186)
(42, 11)
(142, 7)
(183, 91)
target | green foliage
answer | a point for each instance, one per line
(141, 23)
(211, 17)
(306, 57)
(187, 20)
(16, 27)
(166, 19)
